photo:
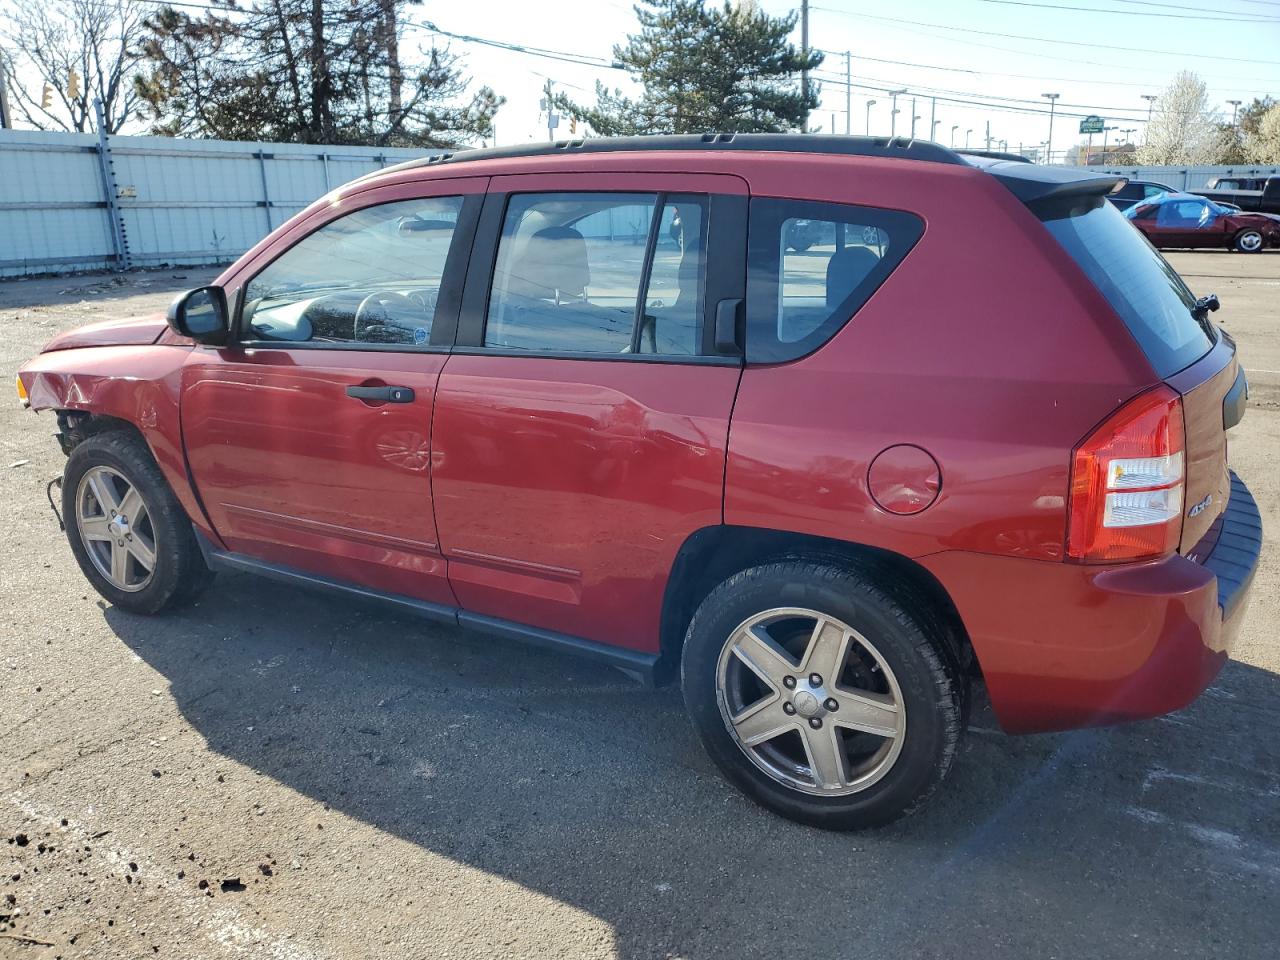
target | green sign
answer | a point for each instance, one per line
(1092, 125)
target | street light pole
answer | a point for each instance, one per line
(954, 128)
(1053, 101)
(893, 114)
(914, 117)
(848, 93)
(1235, 106)
(966, 137)
(1151, 99)
(870, 104)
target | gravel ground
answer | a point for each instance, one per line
(276, 774)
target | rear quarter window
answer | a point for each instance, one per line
(811, 266)
(1141, 286)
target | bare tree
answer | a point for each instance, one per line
(1184, 125)
(95, 40)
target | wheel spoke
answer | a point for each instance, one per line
(868, 712)
(826, 756)
(119, 564)
(825, 654)
(762, 721)
(94, 528)
(142, 551)
(103, 491)
(131, 506)
(765, 658)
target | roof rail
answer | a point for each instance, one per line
(895, 147)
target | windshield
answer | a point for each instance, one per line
(1139, 284)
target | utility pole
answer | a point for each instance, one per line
(804, 52)
(893, 114)
(1235, 106)
(914, 117)
(1053, 100)
(5, 121)
(870, 104)
(988, 136)
(848, 93)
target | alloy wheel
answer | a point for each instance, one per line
(115, 528)
(810, 701)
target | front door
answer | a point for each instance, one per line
(582, 419)
(309, 437)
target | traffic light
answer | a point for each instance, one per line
(46, 97)
(73, 85)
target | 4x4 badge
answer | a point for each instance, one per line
(1199, 508)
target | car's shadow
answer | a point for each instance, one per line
(564, 777)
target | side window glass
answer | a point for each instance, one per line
(811, 266)
(372, 276)
(571, 274)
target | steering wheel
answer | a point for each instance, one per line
(382, 300)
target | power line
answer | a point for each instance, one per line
(1022, 36)
(1246, 18)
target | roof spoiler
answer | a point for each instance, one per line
(1051, 191)
(993, 155)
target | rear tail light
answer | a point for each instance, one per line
(1127, 479)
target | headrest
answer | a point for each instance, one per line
(553, 263)
(845, 270)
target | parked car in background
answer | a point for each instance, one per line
(1251, 194)
(824, 488)
(1135, 191)
(1186, 220)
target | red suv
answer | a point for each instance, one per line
(596, 396)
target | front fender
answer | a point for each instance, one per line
(141, 385)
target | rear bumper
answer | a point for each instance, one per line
(1065, 645)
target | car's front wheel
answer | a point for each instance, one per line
(126, 528)
(821, 695)
(1248, 241)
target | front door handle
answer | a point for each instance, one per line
(384, 394)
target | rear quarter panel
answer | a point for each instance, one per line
(987, 347)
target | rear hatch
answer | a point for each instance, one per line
(1184, 347)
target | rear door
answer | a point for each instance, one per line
(309, 436)
(582, 418)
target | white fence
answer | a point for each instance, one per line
(1188, 178)
(75, 202)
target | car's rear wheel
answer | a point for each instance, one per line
(1249, 241)
(127, 530)
(821, 696)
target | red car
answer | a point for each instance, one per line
(827, 487)
(1185, 220)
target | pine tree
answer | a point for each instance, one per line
(729, 69)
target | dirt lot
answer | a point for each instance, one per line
(276, 774)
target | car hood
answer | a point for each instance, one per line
(111, 333)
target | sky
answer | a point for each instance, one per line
(1094, 60)
(1100, 56)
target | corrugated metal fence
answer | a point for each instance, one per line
(1188, 178)
(81, 202)
(75, 202)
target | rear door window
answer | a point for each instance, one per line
(599, 273)
(811, 266)
(1138, 282)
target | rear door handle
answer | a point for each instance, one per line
(384, 394)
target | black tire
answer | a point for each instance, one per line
(934, 690)
(1249, 241)
(180, 572)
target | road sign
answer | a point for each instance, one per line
(1092, 124)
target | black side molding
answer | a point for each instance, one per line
(1233, 404)
(1234, 559)
(639, 666)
